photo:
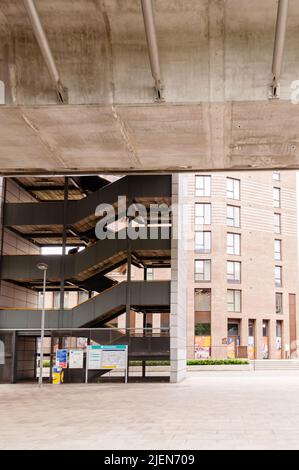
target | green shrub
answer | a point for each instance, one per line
(216, 362)
(195, 362)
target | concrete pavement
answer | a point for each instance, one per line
(209, 410)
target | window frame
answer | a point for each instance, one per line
(204, 205)
(233, 280)
(204, 272)
(203, 250)
(278, 280)
(277, 252)
(228, 207)
(206, 188)
(279, 295)
(278, 230)
(234, 235)
(234, 291)
(276, 200)
(276, 173)
(235, 192)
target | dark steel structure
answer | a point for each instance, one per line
(64, 214)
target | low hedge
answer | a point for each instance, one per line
(216, 362)
(196, 362)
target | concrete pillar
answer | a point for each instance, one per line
(272, 339)
(244, 332)
(178, 295)
(258, 338)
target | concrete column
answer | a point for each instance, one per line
(272, 339)
(258, 338)
(244, 332)
(178, 295)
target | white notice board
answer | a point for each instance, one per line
(107, 357)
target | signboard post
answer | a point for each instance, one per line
(107, 357)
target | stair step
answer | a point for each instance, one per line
(266, 364)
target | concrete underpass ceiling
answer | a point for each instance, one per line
(216, 67)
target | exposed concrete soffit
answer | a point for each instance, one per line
(148, 138)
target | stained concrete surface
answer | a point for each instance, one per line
(209, 410)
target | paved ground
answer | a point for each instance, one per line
(209, 410)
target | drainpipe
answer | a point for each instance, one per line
(279, 42)
(42, 41)
(152, 45)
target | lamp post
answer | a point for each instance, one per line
(43, 267)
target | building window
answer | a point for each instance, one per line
(149, 274)
(233, 271)
(278, 302)
(202, 242)
(278, 276)
(203, 270)
(202, 213)
(233, 216)
(233, 300)
(232, 188)
(56, 299)
(202, 185)
(276, 175)
(233, 243)
(277, 250)
(276, 197)
(277, 223)
(82, 296)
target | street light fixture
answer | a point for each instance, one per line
(42, 267)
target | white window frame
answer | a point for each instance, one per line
(234, 300)
(204, 272)
(235, 247)
(279, 294)
(233, 271)
(276, 197)
(202, 186)
(277, 227)
(205, 217)
(233, 220)
(278, 276)
(277, 250)
(203, 241)
(233, 188)
(276, 175)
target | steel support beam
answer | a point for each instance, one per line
(42, 41)
(279, 42)
(152, 44)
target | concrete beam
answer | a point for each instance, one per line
(165, 138)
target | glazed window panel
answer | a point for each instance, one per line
(278, 276)
(233, 300)
(202, 270)
(233, 216)
(233, 244)
(202, 241)
(233, 271)
(233, 188)
(202, 213)
(276, 197)
(277, 250)
(202, 186)
(277, 223)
